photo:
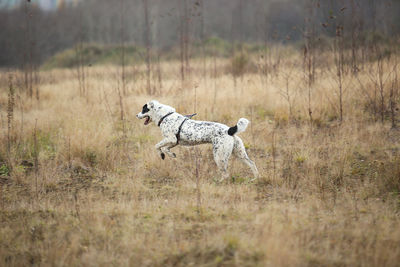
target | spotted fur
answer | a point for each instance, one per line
(179, 129)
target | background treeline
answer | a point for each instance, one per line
(29, 34)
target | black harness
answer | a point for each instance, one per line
(178, 135)
(160, 121)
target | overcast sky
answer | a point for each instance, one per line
(43, 4)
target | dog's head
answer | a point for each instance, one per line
(154, 111)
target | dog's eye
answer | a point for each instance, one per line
(145, 109)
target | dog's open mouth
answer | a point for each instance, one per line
(147, 121)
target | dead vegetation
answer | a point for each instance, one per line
(83, 185)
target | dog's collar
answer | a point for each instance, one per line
(160, 121)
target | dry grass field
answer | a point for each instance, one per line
(81, 187)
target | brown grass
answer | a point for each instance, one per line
(327, 196)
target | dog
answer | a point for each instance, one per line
(178, 129)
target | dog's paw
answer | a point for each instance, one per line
(162, 156)
(170, 154)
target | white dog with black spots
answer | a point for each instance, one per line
(180, 129)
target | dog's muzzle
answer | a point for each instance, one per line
(141, 116)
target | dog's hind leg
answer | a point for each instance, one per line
(222, 150)
(240, 151)
(222, 165)
(165, 145)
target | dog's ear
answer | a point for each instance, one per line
(152, 103)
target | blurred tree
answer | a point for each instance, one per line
(58, 29)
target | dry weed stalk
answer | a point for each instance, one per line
(309, 56)
(28, 52)
(215, 80)
(355, 31)
(393, 96)
(121, 108)
(148, 46)
(159, 74)
(339, 63)
(202, 38)
(77, 205)
(287, 93)
(81, 69)
(10, 118)
(184, 41)
(273, 145)
(186, 34)
(69, 158)
(123, 78)
(36, 160)
(197, 156)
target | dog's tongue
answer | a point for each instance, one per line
(147, 121)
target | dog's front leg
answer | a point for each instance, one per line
(168, 143)
(166, 149)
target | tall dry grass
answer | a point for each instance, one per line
(327, 195)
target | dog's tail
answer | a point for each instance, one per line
(239, 127)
